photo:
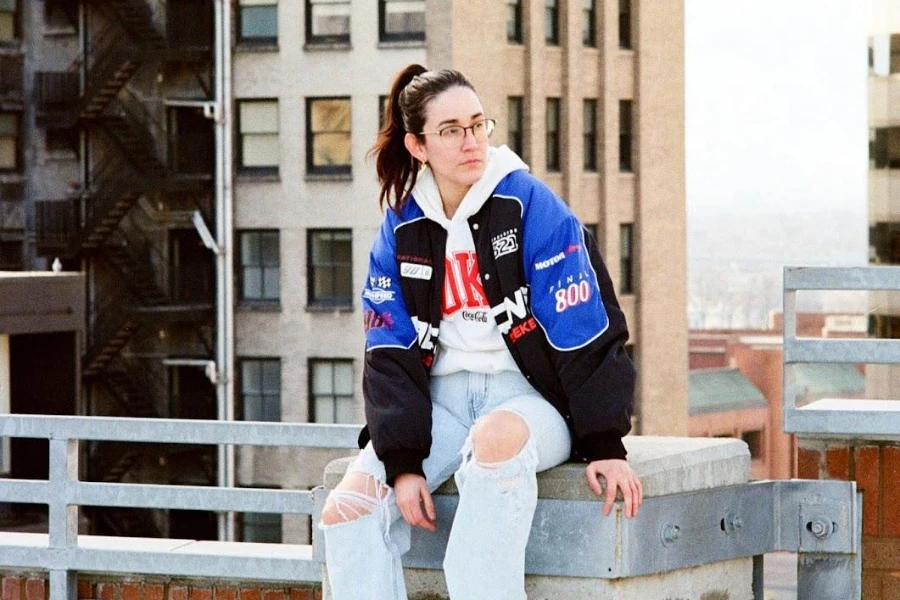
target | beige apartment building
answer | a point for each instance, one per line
(883, 381)
(590, 93)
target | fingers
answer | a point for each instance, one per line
(429, 505)
(593, 480)
(618, 476)
(611, 485)
(410, 500)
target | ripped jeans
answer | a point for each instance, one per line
(485, 556)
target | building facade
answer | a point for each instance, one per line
(111, 171)
(883, 381)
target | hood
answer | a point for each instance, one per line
(500, 162)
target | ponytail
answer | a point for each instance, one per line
(404, 112)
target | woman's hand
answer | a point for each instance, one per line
(412, 495)
(618, 474)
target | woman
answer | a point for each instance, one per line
(494, 350)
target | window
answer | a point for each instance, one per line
(259, 147)
(626, 258)
(9, 141)
(590, 135)
(11, 256)
(625, 24)
(328, 21)
(626, 163)
(551, 22)
(401, 20)
(258, 21)
(589, 24)
(331, 391)
(63, 141)
(753, 439)
(514, 124)
(260, 390)
(260, 275)
(57, 18)
(329, 259)
(514, 21)
(553, 134)
(262, 528)
(328, 136)
(884, 148)
(8, 24)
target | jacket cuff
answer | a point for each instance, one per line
(402, 461)
(602, 445)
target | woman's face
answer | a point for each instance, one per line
(458, 163)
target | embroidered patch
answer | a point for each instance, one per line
(505, 243)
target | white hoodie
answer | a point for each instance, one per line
(469, 338)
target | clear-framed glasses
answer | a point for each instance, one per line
(455, 134)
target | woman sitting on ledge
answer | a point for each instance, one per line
(494, 350)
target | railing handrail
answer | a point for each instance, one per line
(837, 417)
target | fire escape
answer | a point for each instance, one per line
(131, 157)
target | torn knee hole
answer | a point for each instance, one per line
(346, 505)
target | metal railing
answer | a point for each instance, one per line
(64, 552)
(839, 418)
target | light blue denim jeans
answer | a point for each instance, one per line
(485, 557)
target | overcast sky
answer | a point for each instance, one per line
(776, 104)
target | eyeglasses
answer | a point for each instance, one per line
(455, 134)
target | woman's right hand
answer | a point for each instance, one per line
(412, 496)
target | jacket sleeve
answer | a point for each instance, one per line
(395, 383)
(573, 299)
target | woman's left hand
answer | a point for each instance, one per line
(618, 474)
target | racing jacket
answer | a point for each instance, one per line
(550, 295)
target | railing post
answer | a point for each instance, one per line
(63, 517)
(838, 576)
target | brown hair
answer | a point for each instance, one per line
(404, 112)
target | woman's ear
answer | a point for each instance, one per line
(416, 148)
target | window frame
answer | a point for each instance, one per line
(515, 125)
(19, 167)
(241, 404)
(625, 25)
(312, 396)
(330, 301)
(551, 23)
(256, 40)
(261, 301)
(626, 136)
(589, 25)
(589, 135)
(262, 170)
(514, 18)
(385, 36)
(626, 258)
(313, 39)
(17, 26)
(311, 168)
(553, 147)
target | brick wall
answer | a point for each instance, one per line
(876, 469)
(15, 586)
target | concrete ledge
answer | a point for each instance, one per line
(666, 465)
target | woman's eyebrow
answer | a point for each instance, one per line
(451, 121)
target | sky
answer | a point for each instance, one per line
(776, 104)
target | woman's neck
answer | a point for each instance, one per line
(451, 196)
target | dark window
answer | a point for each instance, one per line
(328, 136)
(884, 148)
(331, 391)
(327, 21)
(10, 138)
(329, 260)
(884, 242)
(259, 150)
(589, 24)
(514, 125)
(551, 22)
(590, 135)
(63, 140)
(261, 528)
(10, 256)
(260, 274)
(626, 149)
(514, 21)
(260, 390)
(57, 17)
(258, 21)
(9, 26)
(553, 121)
(626, 258)
(625, 24)
(192, 142)
(753, 439)
(400, 20)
